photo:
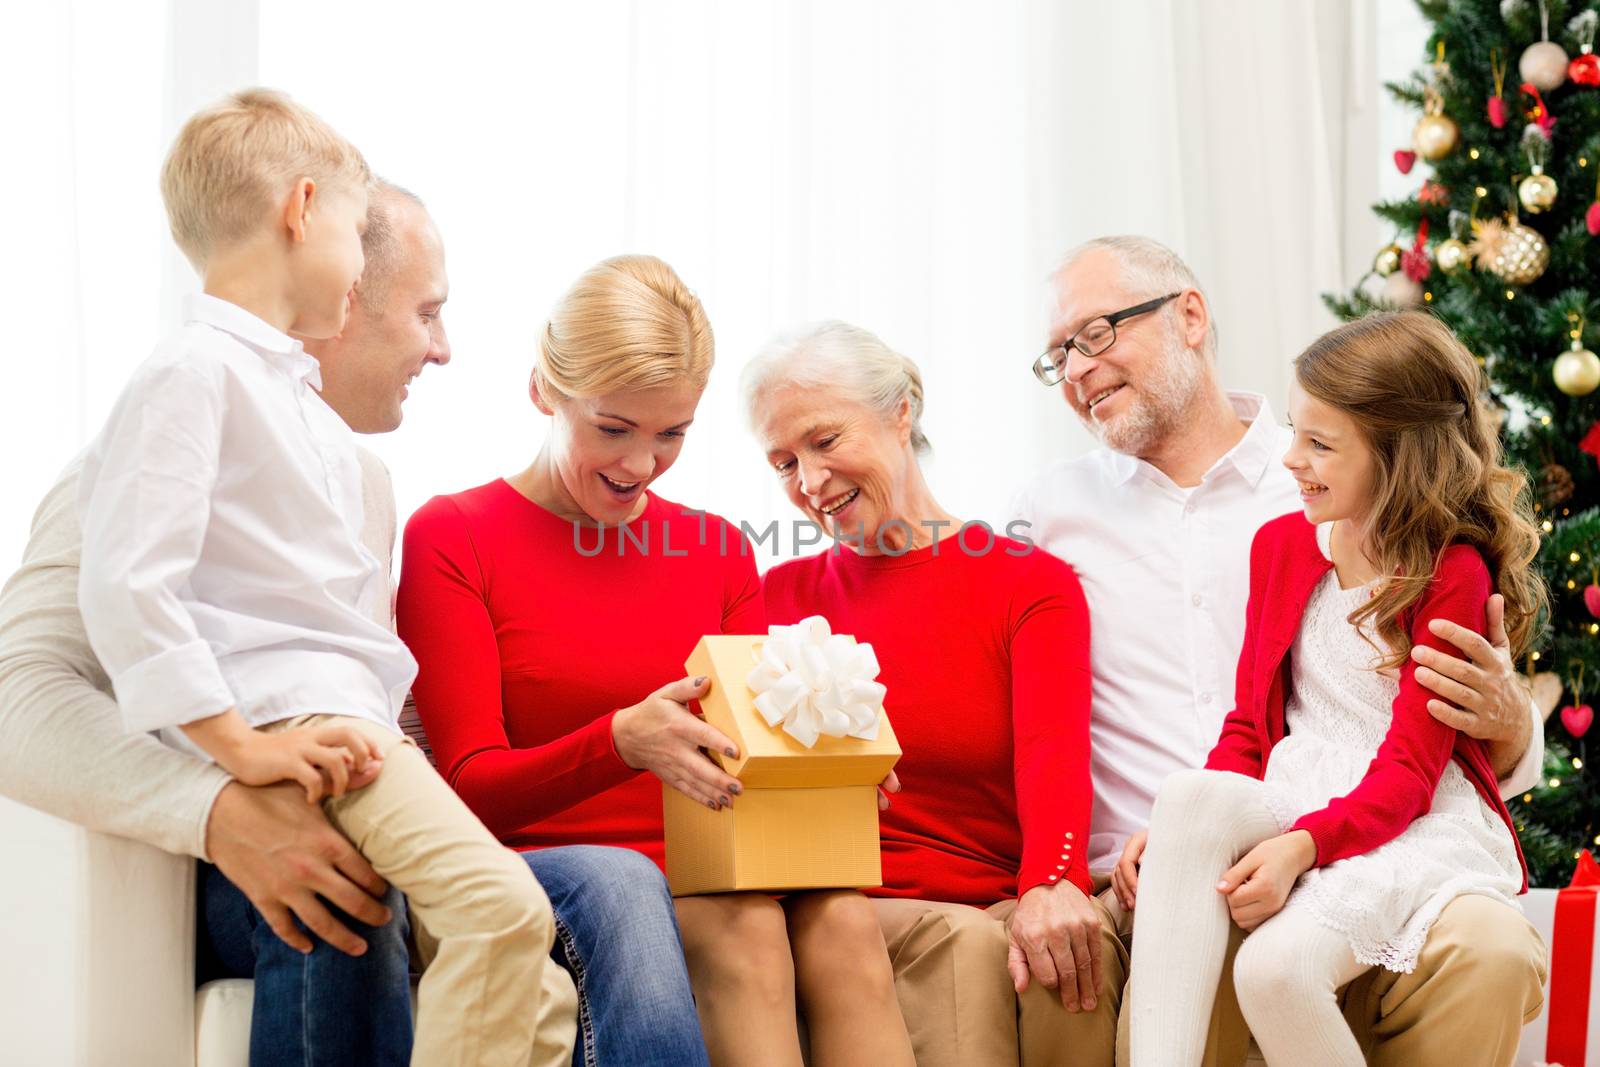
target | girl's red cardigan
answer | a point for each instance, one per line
(1285, 566)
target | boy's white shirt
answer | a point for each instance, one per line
(221, 566)
(1166, 572)
(63, 748)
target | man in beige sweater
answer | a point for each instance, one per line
(63, 748)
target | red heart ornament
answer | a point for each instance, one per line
(1591, 600)
(1592, 219)
(1405, 160)
(1497, 112)
(1577, 718)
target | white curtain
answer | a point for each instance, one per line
(914, 167)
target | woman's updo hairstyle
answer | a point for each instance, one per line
(627, 323)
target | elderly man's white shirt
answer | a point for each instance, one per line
(222, 562)
(1166, 571)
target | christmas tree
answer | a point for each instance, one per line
(1502, 241)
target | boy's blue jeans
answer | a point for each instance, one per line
(615, 932)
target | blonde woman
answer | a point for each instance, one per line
(550, 613)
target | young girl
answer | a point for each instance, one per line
(1330, 770)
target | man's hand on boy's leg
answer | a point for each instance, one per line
(282, 853)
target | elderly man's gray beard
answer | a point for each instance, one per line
(1158, 407)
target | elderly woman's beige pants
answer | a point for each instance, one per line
(956, 994)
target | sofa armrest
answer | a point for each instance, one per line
(96, 946)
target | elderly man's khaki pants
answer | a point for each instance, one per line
(1479, 978)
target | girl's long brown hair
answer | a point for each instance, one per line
(1413, 390)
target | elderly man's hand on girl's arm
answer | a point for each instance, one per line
(1483, 695)
(1258, 885)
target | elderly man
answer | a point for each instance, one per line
(1159, 525)
(289, 901)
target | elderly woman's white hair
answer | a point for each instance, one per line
(1148, 267)
(839, 356)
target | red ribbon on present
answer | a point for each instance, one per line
(1572, 965)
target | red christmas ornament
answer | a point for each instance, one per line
(1404, 160)
(1591, 442)
(1497, 102)
(1592, 219)
(1415, 262)
(1539, 113)
(1577, 718)
(1591, 600)
(1585, 69)
(1433, 193)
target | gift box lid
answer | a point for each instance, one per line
(769, 756)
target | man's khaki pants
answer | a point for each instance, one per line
(958, 1001)
(1479, 978)
(490, 995)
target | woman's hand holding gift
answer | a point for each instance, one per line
(661, 735)
(1258, 885)
(889, 785)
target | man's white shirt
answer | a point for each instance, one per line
(1166, 572)
(222, 563)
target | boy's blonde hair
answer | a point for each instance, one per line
(628, 323)
(232, 161)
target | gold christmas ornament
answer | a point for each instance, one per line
(1452, 256)
(1577, 371)
(1387, 260)
(1544, 63)
(1537, 192)
(1435, 136)
(1400, 290)
(1510, 251)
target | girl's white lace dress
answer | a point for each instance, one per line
(1337, 715)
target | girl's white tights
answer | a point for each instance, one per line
(1288, 971)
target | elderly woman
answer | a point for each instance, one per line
(984, 647)
(550, 620)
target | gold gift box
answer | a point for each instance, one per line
(807, 818)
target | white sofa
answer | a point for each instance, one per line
(97, 955)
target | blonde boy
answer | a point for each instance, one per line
(225, 589)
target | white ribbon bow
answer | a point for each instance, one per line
(815, 682)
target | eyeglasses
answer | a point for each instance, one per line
(1095, 337)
